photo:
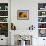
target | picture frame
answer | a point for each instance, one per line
(22, 14)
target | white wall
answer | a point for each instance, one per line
(23, 5)
(23, 25)
(32, 6)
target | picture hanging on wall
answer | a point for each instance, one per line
(22, 14)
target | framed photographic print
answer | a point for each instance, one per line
(23, 14)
